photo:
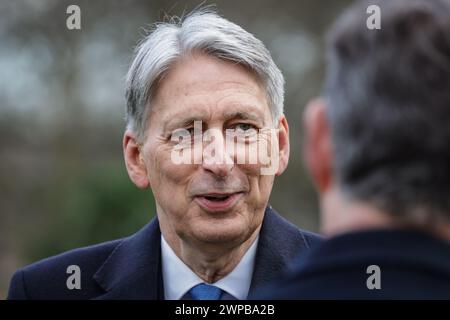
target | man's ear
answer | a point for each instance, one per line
(134, 160)
(283, 145)
(318, 147)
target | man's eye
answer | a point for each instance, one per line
(182, 135)
(191, 131)
(244, 127)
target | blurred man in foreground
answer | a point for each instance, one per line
(378, 150)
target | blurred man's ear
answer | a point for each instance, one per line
(134, 160)
(283, 145)
(318, 147)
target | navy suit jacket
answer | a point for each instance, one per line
(130, 268)
(413, 265)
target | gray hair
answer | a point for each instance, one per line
(200, 31)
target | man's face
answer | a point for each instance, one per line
(207, 201)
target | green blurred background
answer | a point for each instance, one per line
(63, 182)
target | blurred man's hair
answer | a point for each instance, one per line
(202, 31)
(388, 94)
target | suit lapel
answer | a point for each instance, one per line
(279, 243)
(133, 270)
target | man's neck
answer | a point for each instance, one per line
(211, 262)
(340, 215)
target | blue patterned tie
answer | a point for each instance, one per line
(205, 292)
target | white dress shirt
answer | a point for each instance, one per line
(179, 278)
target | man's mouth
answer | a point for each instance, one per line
(215, 202)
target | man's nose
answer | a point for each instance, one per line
(216, 157)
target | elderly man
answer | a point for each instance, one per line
(203, 97)
(378, 150)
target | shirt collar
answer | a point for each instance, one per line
(178, 278)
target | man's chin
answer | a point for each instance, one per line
(221, 234)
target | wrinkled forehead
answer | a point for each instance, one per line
(208, 88)
(220, 113)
